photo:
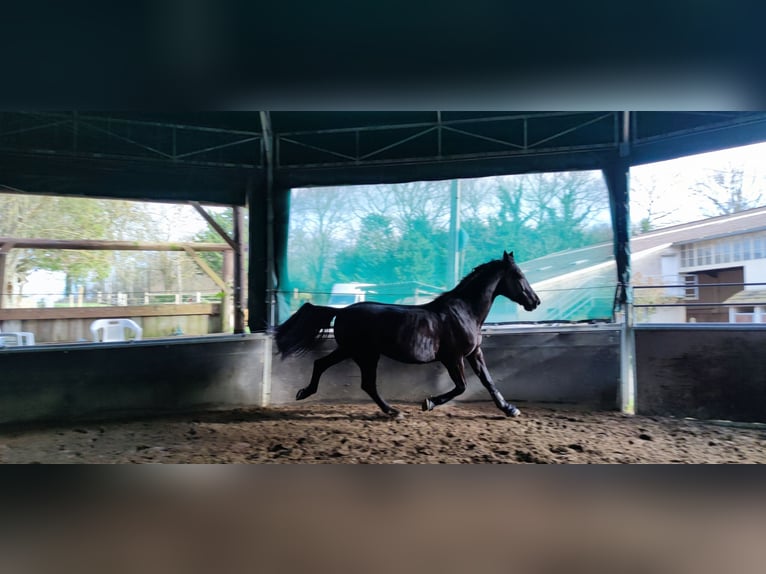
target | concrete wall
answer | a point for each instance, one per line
(755, 272)
(702, 371)
(64, 382)
(575, 365)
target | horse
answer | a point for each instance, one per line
(446, 329)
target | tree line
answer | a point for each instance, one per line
(375, 234)
(396, 233)
(132, 272)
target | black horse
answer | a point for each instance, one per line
(447, 329)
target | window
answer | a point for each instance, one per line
(737, 251)
(726, 252)
(686, 256)
(744, 317)
(691, 291)
(719, 253)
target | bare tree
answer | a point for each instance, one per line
(728, 190)
(407, 203)
(320, 218)
(647, 193)
(561, 207)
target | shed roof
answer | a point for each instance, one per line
(551, 265)
(215, 156)
(748, 297)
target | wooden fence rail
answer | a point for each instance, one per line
(72, 324)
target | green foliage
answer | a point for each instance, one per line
(420, 254)
(400, 233)
(31, 216)
(369, 259)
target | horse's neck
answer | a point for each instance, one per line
(479, 293)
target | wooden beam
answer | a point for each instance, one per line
(3, 291)
(208, 270)
(227, 308)
(5, 247)
(161, 310)
(214, 224)
(237, 245)
(95, 244)
(239, 272)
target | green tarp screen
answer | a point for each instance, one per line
(405, 243)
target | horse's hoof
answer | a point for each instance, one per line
(395, 414)
(302, 394)
(512, 411)
(428, 404)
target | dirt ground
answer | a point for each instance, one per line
(358, 433)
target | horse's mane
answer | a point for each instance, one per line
(478, 270)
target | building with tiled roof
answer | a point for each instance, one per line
(703, 271)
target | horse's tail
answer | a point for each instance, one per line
(301, 331)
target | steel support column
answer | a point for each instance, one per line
(616, 173)
(271, 278)
(257, 317)
(262, 274)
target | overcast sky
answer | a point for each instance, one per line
(674, 180)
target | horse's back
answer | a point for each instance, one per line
(408, 333)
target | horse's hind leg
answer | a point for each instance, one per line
(320, 366)
(476, 360)
(457, 374)
(369, 367)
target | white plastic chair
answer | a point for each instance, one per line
(16, 338)
(110, 330)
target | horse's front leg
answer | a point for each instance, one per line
(457, 374)
(476, 360)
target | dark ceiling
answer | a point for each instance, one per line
(214, 156)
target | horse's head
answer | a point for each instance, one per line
(515, 286)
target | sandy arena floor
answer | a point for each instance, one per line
(358, 433)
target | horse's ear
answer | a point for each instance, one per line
(507, 257)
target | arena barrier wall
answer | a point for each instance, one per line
(106, 380)
(65, 382)
(563, 364)
(703, 371)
